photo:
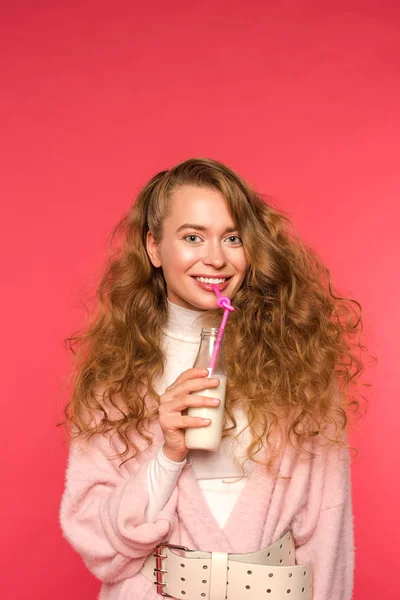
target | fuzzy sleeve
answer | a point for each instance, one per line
(323, 529)
(103, 511)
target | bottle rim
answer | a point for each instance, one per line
(209, 331)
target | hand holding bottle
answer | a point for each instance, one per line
(178, 397)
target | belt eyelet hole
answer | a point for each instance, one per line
(249, 572)
(247, 587)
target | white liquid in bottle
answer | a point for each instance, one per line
(208, 437)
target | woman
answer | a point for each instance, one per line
(279, 485)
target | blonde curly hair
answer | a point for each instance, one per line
(293, 346)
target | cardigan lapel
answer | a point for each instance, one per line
(251, 508)
(197, 518)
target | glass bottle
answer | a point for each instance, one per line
(208, 437)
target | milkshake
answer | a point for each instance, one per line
(208, 438)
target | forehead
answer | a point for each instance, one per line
(200, 205)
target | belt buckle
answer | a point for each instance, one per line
(159, 571)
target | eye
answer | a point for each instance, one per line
(234, 239)
(192, 238)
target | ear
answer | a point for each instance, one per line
(152, 249)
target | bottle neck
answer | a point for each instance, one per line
(208, 345)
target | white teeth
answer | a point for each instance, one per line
(209, 280)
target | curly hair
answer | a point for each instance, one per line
(293, 346)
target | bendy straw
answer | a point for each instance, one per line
(223, 302)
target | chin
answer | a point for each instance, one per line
(204, 305)
(200, 304)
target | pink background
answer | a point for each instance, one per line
(302, 98)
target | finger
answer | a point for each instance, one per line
(183, 402)
(186, 422)
(193, 385)
(177, 405)
(174, 423)
(188, 374)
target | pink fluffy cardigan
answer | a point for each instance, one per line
(103, 508)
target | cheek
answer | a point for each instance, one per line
(241, 263)
(180, 258)
(188, 256)
(185, 256)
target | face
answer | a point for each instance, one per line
(200, 246)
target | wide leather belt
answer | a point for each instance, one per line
(269, 574)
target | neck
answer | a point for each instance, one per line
(184, 322)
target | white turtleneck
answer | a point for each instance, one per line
(216, 472)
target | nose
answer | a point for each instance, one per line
(215, 255)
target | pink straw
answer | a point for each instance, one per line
(223, 302)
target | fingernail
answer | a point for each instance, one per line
(215, 401)
(207, 421)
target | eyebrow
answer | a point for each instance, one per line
(202, 228)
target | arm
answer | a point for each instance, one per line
(162, 475)
(103, 510)
(323, 529)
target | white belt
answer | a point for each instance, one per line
(269, 574)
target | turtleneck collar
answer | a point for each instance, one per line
(184, 324)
